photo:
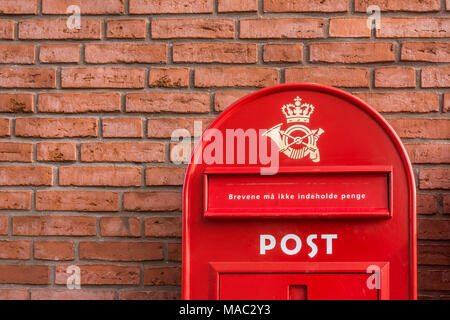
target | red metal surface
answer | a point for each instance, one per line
(345, 142)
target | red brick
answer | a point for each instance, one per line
(27, 78)
(26, 176)
(215, 52)
(24, 274)
(164, 127)
(102, 78)
(152, 201)
(170, 6)
(18, 6)
(416, 27)
(332, 76)
(100, 176)
(222, 99)
(399, 5)
(16, 152)
(433, 280)
(237, 5)
(122, 152)
(126, 29)
(175, 101)
(351, 52)
(18, 250)
(446, 107)
(16, 102)
(305, 6)
(282, 28)
(122, 128)
(120, 227)
(55, 151)
(121, 251)
(446, 204)
(56, 127)
(17, 53)
(86, 6)
(163, 227)
(53, 226)
(275, 52)
(180, 153)
(4, 225)
(422, 128)
(125, 53)
(398, 101)
(79, 102)
(54, 250)
(150, 295)
(59, 53)
(395, 77)
(433, 229)
(162, 276)
(235, 76)
(101, 274)
(174, 252)
(429, 153)
(13, 294)
(436, 77)
(196, 28)
(349, 28)
(164, 176)
(56, 29)
(77, 201)
(426, 51)
(169, 77)
(433, 254)
(435, 178)
(43, 294)
(7, 28)
(15, 200)
(5, 127)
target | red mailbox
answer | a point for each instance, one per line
(299, 191)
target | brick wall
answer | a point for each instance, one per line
(86, 176)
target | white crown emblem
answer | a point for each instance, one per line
(297, 112)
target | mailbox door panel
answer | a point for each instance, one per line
(296, 287)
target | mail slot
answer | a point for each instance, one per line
(300, 192)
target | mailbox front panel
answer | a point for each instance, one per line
(342, 193)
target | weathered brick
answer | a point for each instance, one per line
(162, 276)
(215, 52)
(56, 127)
(54, 250)
(13, 294)
(223, 99)
(125, 53)
(126, 29)
(163, 176)
(150, 295)
(351, 52)
(170, 6)
(433, 254)
(59, 53)
(152, 201)
(433, 229)
(56, 151)
(27, 78)
(446, 203)
(86, 6)
(26, 176)
(305, 6)
(192, 28)
(422, 128)
(15, 200)
(164, 127)
(163, 227)
(395, 77)
(102, 78)
(332, 76)
(16, 152)
(101, 274)
(429, 153)
(399, 5)
(7, 28)
(18, 6)
(81, 294)
(5, 127)
(349, 28)
(433, 279)
(168, 102)
(426, 203)
(120, 227)
(122, 152)
(24, 274)
(77, 201)
(4, 225)
(434, 178)
(56, 29)
(426, 51)
(121, 251)
(398, 101)
(174, 251)
(168, 77)
(100, 176)
(416, 27)
(17, 53)
(235, 76)
(79, 102)
(282, 28)
(446, 107)
(275, 52)
(53, 226)
(436, 77)
(18, 250)
(237, 5)
(16, 102)
(122, 127)
(181, 152)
